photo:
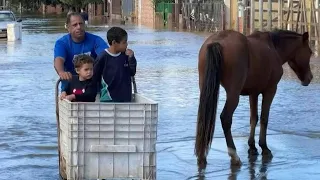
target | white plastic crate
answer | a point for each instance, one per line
(109, 140)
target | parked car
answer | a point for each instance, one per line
(6, 17)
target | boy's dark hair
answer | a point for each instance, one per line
(82, 59)
(116, 34)
(72, 14)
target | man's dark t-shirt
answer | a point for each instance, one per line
(84, 16)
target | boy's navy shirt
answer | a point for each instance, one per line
(113, 72)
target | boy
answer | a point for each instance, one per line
(114, 68)
(80, 88)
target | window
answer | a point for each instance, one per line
(6, 17)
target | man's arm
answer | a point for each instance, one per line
(98, 68)
(59, 64)
(67, 88)
(60, 55)
(100, 45)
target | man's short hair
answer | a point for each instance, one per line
(72, 14)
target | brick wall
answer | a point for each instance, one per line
(147, 13)
(95, 10)
(51, 9)
(99, 10)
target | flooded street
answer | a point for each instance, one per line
(167, 73)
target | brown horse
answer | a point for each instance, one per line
(245, 65)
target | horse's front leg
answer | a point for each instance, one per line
(266, 104)
(226, 121)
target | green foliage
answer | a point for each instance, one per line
(32, 3)
(156, 2)
(78, 3)
(50, 2)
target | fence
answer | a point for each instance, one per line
(296, 15)
(208, 17)
(127, 8)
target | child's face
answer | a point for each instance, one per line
(85, 71)
(122, 45)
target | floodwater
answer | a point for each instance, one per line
(167, 73)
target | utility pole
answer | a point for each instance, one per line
(110, 2)
(3, 4)
(20, 7)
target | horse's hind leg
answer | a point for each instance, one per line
(266, 104)
(253, 123)
(226, 121)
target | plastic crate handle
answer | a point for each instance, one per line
(113, 148)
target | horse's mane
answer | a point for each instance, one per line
(278, 34)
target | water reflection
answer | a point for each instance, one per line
(9, 47)
(257, 169)
(263, 168)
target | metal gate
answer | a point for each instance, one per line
(164, 9)
(127, 7)
(206, 15)
(116, 7)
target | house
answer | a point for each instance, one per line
(145, 13)
(95, 9)
(118, 9)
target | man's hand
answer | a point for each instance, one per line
(63, 95)
(129, 52)
(59, 67)
(65, 75)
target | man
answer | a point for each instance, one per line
(84, 16)
(76, 42)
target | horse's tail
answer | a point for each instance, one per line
(209, 96)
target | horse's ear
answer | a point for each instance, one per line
(305, 36)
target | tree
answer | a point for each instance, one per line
(31, 4)
(78, 3)
(51, 2)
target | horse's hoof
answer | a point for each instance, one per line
(202, 163)
(202, 172)
(236, 162)
(253, 152)
(267, 153)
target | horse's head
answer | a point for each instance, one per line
(300, 63)
(294, 48)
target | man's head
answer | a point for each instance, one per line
(75, 26)
(117, 38)
(84, 66)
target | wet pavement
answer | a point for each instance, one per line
(167, 73)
